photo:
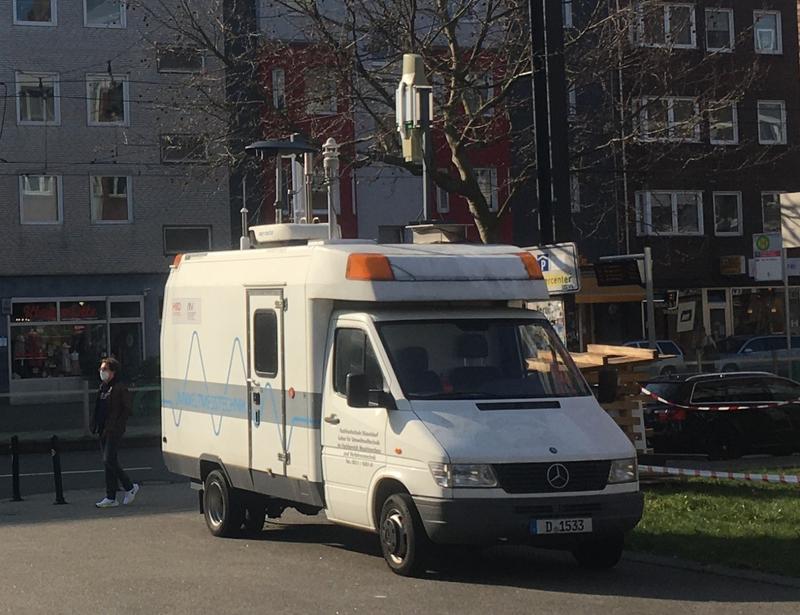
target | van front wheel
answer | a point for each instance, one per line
(599, 553)
(404, 543)
(222, 508)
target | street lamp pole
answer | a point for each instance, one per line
(330, 161)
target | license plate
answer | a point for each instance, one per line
(561, 526)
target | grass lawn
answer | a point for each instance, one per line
(732, 523)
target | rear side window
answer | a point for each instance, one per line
(671, 391)
(713, 392)
(353, 354)
(783, 390)
(265, 342)
(748, 390)
(669, 348)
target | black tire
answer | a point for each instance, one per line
(404, 543)
(255, 513)
(599, 553)
(222, 506)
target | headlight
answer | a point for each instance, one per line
(623, 471)
(463, 475)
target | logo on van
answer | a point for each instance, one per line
(557, 476)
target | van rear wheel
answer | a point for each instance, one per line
(255, 513)
(222, 507)
(599, 553)
(404, 543)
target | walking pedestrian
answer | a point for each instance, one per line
(112, 409)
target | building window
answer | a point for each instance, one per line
(566, 13)
(35, 12)
(487, 182)
(771, 212)
(182, 239)
(38, 99)
(108, 100)
(771, 122)
(723, 124)
(442, 197)
(278, 89)
(661, 25)
(727, 213)
(479, 93)
(320, 91)
(767, 32)
(180, 60)
(572, 101)
(669, 119)
(182, 148)
(574, 193)
(104, 13)
(669, 213)
(40, 199)
(719, 29)
(111, 199)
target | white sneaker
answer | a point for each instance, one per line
(107, 503)
(130, 496)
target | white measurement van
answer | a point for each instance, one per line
(393, 388)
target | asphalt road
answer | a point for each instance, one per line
(156, 556)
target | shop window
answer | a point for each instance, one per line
(265, 342)
(38, 99)
(111, 199)
(180, 60)
(40, 199)
(771, 122)
(719, 29)
(126, 309)
(723, 124)
(727, 213)
(183, 148)
(771, 212)
(757, 311)
(108, 100)
(767, 32)
(82, 310)
(181, 239)
(34, 312)
(35, 12)
(104, 13)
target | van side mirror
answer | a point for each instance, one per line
(607, 386)
(357, 391)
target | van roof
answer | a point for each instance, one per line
(365, 271)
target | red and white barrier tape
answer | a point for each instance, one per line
(719, 407)
(785, 479)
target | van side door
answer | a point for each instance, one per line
(353, 439)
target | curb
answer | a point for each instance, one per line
(722, 571)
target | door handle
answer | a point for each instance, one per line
(332, 419)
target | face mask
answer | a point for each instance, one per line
(104, 375)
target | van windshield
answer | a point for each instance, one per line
(475, 358)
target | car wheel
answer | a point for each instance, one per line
(222, 508)
(599, 553)
(404, 543)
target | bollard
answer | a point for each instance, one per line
(16, 497)
(54, 452)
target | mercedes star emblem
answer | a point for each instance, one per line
(558, 476)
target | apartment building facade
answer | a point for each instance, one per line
(105, 177)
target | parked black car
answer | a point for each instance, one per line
(683, 427)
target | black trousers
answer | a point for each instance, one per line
(114, 472)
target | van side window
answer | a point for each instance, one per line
(265, 342)
(353, 354)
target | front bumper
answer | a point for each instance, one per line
(507, 520)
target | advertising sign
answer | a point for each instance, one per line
(559, 264)
(767, 261)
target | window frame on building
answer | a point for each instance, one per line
(103, 77)
(734, 119)
(162, 50)
(721, 193)
(644, 225)
(442, 197)
(776, 194)
(731, 28)
(492, 198)
(201, 146)
(645, 133)
(778, 32)
(57, 186)
(128, 198)
(639, 31)
(167, 227)
(22, 22)
(123, 17)
(784, 135)
(20, 80)
(278, 86)
(574, 193)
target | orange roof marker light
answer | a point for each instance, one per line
(176, 262)
(531, 265)
(369, 267)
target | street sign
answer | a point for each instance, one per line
(559, 265)
(767, 257)
(618, 273)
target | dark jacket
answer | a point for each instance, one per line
(117, 412)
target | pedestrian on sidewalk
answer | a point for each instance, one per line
(112, 409)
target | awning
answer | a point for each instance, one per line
(592, 293)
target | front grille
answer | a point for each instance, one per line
(532, 477)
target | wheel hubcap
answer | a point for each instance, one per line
(215, 505)
(394, 537)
